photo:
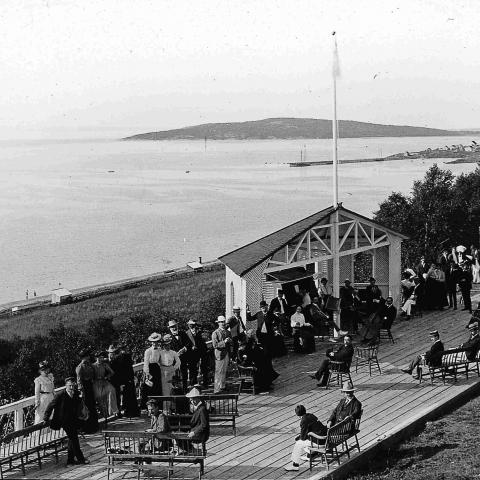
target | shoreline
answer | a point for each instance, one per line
(92, 291)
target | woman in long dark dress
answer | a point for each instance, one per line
(251, 354)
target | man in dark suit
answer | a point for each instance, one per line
(343, 354)
(433, 357)
(279, 303)
(348, 407)
(373, 296)
(67, 407)
(199, 424)
(472, 345)
(179, 345)
(196, 352)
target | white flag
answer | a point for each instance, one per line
(336, 63)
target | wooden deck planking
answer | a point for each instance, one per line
(267, 425)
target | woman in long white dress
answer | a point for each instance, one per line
(44, 390)
(103, 390)
(169, 364)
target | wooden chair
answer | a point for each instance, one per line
(338, 370)
(385, 331)
(245, 376)
(367, 356)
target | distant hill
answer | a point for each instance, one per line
(279, 128)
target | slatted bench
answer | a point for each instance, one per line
(37, 441)
(325, 448)
(140, 451)
(222, 408)
(453, 363)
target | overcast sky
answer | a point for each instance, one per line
(133, 66)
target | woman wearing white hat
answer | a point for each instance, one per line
(44, 390)
(222, 343)
(151, 369)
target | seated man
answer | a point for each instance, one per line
(308, 423)
(343, 354)
(433, 357)
(472, 345)
(303, 337)
(384, 316)
(199, 424)
(348, 407)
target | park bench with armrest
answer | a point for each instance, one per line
(136, 451)
(222, 409)
(326, 447)
(40, 441)
(453, 362)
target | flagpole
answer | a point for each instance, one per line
(334, 123)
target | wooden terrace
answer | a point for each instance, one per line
(393, 405)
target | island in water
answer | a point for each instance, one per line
(293, 128)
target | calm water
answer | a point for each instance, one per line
(85, 212)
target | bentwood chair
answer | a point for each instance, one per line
(367, 356)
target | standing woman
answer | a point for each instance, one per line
(103, 390)
(85, 376)
(152, 383)
(44, 390)
(169, 363)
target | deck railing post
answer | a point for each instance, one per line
(18, 418)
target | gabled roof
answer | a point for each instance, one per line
(249, 256)
(243, 259)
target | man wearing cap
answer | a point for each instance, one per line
(123, 380)
(199, 424)
(222, 344)
(472, 345)
(67, 408)
(433, 357)
(196, 350)
(343, 354)
(158, 424)
(85, 377)
(152, 385)
(348, 407)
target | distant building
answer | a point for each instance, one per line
(61, 295)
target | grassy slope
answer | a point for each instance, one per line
(180, 295)
(446, 449)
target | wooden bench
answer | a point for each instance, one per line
(38, 441)
(326, 447)
(453, 362)
(136, 451)
(222, 409)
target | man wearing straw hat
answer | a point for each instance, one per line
(348, 407)
(472, 345)
(199, 424)
(222, 343)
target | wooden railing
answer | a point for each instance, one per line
(21, 414)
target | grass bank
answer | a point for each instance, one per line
(447, 449)
(183, 294)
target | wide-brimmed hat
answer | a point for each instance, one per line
(167, 338)
(191, 322)
(348, 387)
(236, 307)
(220, 319)
(461, 249)
(434, 333)
(193, 393)
(172, 323)
(112, 349)
(473, 326)
(153, 401)
(155, 337)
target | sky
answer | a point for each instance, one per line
(120, 67)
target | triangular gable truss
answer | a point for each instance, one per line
(355, 234)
